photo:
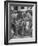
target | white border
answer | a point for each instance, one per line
(29, 39)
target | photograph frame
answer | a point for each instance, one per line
(6, 21)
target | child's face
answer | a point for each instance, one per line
(27, 23)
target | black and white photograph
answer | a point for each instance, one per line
(20, 22)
